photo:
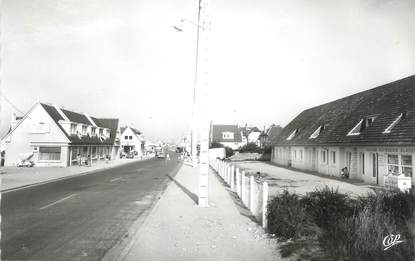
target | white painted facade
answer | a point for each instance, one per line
(130, 141)
(36, 130)
(369, 164)
(37, 135)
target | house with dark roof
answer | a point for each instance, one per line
(132, 140)
(227, 135)
(369, 135)
(54, 136)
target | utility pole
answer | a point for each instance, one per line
(201, 107)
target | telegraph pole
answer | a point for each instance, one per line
(201, 83)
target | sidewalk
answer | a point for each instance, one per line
(300, 182)
(14, 177)
(176, 229)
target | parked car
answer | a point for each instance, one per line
(26, 163)
(160, 155)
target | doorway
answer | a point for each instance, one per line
(375, 168)
(2, 158)
(349, 161)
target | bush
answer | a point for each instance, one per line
(250, 147)
(287, 217)
(267, 149)
(228, 152)
(345, 228)
(326, 206)
(215, 144)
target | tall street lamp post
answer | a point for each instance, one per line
(200, 122)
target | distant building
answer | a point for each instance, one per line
(53, 136)
(227, 135)
(269, 135)
(250, 134)
(132, 141)
(370, 134)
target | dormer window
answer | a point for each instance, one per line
(73, 129)
(292, 135)
(317, 132)
(227, 135)
(393, 124)
(361, 125)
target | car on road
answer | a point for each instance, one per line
(160, 155)
(26, 163)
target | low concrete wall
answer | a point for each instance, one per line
(216, 153)
(252, 191)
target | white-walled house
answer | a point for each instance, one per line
(227, 135)
(54, 136)
(132, 140)
(371, 133)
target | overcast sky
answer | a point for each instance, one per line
(268, 59)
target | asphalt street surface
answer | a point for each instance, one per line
(80, 218)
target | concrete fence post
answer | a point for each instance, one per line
(251, 194)
(226, 172)
(232, 177)
(264, 204)
(220, 167)
(243, 187)
(238, 182)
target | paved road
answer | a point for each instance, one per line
(79, 218)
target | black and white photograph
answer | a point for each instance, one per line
(187, 130)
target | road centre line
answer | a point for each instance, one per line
(58, 201)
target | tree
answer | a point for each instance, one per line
(215, 144)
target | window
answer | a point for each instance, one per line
(317, 132)
(93, 131)
(49, 153)
(406, 165)
(130, 137)
(100, 132)
(73, 129)
(125, 137)
(295, 155)
(108, 133)
(227, 135)
(333, 157)
(83, 130)
(323, 156)
(301, 154)
(361, 125)
(393, 124)
(292, 135)
(400, 165)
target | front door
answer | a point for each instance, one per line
(348, 161)
(375, 168)
(314, 159)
